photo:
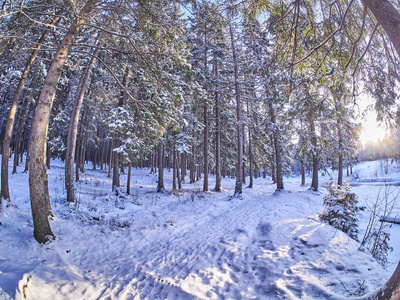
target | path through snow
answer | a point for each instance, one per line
(264, 245)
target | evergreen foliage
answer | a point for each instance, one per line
(341, 209)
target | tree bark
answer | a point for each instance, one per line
(27, 151)
(239, 167)
(205, 181)
(174, 165)
(391, 289)
(277, 146)
(314, 182)
(388, 17)
(184, 167)
(205, 110)
(5, 193)
(160, 184)
(116, 182)
(128, 184)
(217, 143)
(21, 122)
(73, 129)
(250, 148)
(152, 162)
(38, 182)
(178, 177)
(303, 171)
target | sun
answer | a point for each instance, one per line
(372, 131)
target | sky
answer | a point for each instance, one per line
(372, 131)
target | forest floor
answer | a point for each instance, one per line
(195, 245)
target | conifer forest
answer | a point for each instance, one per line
(199, 149)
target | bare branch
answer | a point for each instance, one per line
(358, 39)
(329, 37)
(366, 49)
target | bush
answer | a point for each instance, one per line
(376, 238)
(341, 209)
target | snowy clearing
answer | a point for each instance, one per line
(264, 245)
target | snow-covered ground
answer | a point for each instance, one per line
(195, 245)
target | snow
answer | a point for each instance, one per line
(195, 245)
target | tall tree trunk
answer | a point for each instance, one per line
(205, 181)
(277, 146)
(178, 177)
(73, 129)
(116, 182)
(152, 162)
(110, 157)
(340, 141)
(160, 184)
(38, 182)
(244, 151)
(192, 174)
(250, 146)
(239, 168)
(128, 184)
(217, 143)
(27, 150)
(18, 140)
(5, 192)
(273, 172)
(174, 165)
(84, 142)
(205, 114)
(48, 155)
(192, 170)
(303, 171)
(184, 166)
(314, 182)
(115, 179)
(78, 155)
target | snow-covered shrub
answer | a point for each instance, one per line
(376, 237)
(341, 209)
(378, 244)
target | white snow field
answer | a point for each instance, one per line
(262, 245)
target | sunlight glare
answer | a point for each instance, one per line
(372, 132)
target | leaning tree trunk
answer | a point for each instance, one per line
(27, 147)
(389, 18)
(277, 146)
(5, 193)
(391, 289)
(38, 182)
(239, 167)
(73, 130)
